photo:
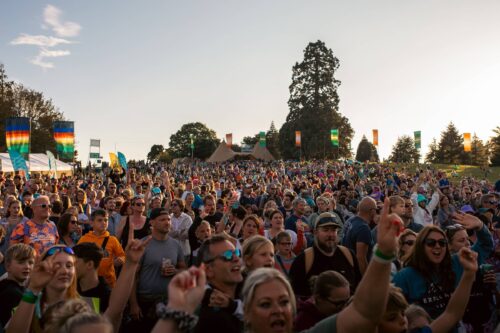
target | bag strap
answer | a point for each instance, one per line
(347, 254)
(104, 243)
(280, 262)
(309, 258)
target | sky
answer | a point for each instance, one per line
(131, 73)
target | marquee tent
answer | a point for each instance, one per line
(37, 163)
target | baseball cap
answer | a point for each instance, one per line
(467, 209)
(421, 198)
(158, 212)
(328, 219)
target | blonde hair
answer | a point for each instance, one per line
(253, 244)
(261, 276)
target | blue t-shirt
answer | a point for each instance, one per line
(357, 231)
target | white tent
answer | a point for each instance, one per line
(37, 163)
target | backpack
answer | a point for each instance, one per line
(309, 256)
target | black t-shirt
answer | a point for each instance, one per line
(338, 262)
(213, 319)
(10, 296)
(101, 291)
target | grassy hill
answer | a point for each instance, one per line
(492, 174)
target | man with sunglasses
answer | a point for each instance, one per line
(221, 308)
(407, 217)
(39, 232)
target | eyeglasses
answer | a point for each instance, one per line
(432, 242)
(409, 242)
(227, 255)
(286, 243)
(339, 303)
(44, 206)
(57, 249)
(139, 204)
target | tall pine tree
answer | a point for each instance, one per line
(272, 141)
(478, 154)
(433, 153)
(495, 148)
(314, 107)
(450, 148)
(366, 151)
(404, 151)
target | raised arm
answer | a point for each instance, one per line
(368, 306)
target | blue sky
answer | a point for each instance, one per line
(131, 73)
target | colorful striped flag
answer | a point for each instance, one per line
(418, 139)
(113, 160)
(229, 140)
(123, 160)
(334, 137)
(375, 137)
(297, 139)
(18, 162)
(17, 135)
(262, 139)
(64, 134)
(467, 142)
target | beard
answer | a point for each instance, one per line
(327, 246)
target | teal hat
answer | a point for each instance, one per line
(421, 198)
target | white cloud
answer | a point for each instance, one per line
(39, 40)
(52, 17)
(53, 53)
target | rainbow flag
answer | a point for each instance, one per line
(17, 135)
(64, 134)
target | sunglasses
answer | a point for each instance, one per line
(58, 249)
(227, 255)
(492, 202)
(432, 242)
(409, 242)
(286, 243)
(408, 206)
(73, 221)
(455, 227)
(139, 204)
(44, 206)
(338, 304)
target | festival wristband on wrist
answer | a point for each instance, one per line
(184, 320)
(381, 257)
(30, 297)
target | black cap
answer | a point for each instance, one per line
(328, 219)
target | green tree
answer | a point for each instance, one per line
(495, 147)
(450, 147)
(154, 153)
(272, 141)
(250, 140)
(432, 154)
(366, 151)
(314, 107)
(404, 151)
(205, 141)
(19, 101)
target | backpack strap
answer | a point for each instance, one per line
(104, 243)
(309, 258)
(347, 254)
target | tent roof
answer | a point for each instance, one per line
(261, 153)
(222, 153)
(37, 163)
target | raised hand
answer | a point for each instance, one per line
(41, 275)
(186, 289)
(468, 259)
(219, 299)
(467, 221)
(389, 228)
(135, 249)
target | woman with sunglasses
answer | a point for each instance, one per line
(137, 221)
(406, 242)
(431, 273)
(53, 283)
(69, 230)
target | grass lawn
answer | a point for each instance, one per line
(492, 175)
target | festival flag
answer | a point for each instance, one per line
(123, 160)
(191, 139)
(18, 162)
(229, 140)
(95, 143)
(113, 160)
(52, 161)
(262, 139)
(467, 143)
(334, 137)
(17, 135)
(297, 139)
(375, 137)
(64, 134)
(418, 139)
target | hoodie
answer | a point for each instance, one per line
(112, 251)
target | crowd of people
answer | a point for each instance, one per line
(250, 246)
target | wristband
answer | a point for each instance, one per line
(184, 320)
(29, 297)
(381, 257)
